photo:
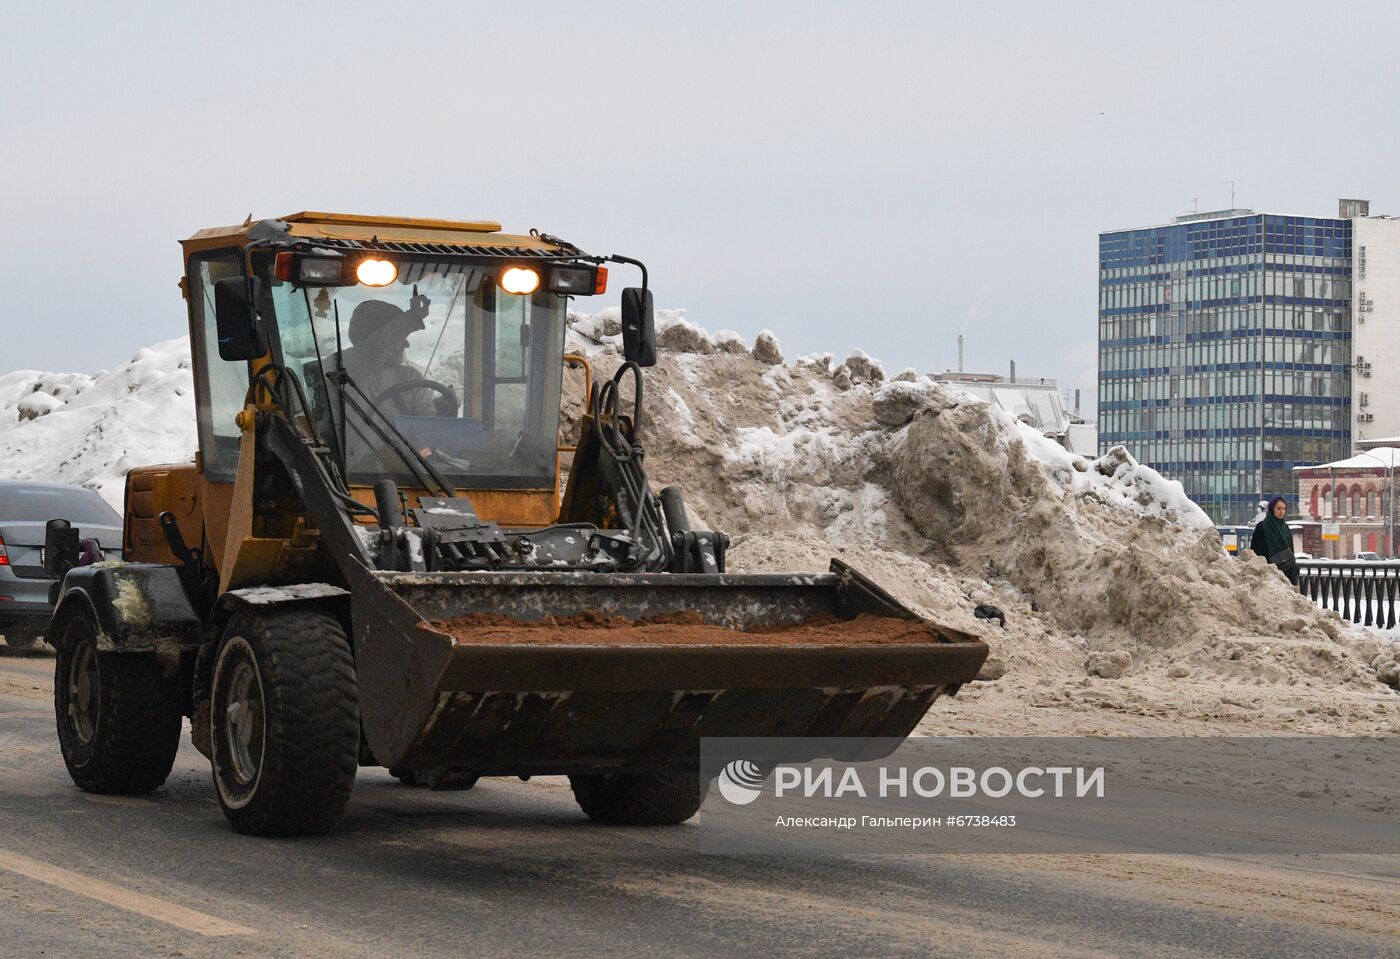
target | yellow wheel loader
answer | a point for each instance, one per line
(371, 560)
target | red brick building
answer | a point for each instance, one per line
(1352, 495)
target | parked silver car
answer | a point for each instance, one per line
(25, 508)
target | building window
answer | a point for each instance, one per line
(1371, 503)
(1356, 501)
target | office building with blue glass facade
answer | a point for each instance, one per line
(1224, 351)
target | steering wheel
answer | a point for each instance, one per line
(445, 403)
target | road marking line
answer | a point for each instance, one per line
(148, 906)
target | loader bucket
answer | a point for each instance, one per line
(526, 673)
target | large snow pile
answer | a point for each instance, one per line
(1102, 565)
(89, 430)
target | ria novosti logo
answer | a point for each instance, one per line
(741, 782)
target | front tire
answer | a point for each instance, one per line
(118, 718)
(627, 799)
(284, 712)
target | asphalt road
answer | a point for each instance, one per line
(513, 868)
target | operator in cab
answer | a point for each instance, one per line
(378, 334)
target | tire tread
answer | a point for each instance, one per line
(137, 732)
(312, 741)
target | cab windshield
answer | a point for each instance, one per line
(469, 374)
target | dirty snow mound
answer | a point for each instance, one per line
(1102, 565)
(1102, 546)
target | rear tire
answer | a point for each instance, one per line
(627, 799)
(118, 718)
(285, 722)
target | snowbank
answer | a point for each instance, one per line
(89, 430)
(1106, 548)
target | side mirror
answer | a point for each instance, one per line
(236, 318)
(638, 327)
(60, 547)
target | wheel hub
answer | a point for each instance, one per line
(243, 723)
(82, 693)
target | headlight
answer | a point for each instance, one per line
(519, 279)
(310, 270)
(578, 280)
(376, 272)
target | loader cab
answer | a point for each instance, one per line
(467, 372)
(458, 339)
(465, 361)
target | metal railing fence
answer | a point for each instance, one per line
(1364, 593)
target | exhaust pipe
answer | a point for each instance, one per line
(673, 508)
(387, 502)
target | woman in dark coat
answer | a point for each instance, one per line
(1273, 540)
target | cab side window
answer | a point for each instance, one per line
(220, 385)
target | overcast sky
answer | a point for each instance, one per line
(874, 175)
